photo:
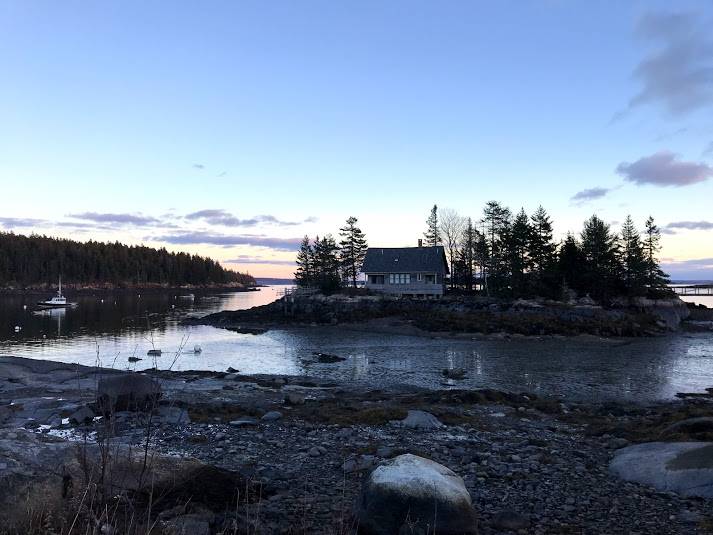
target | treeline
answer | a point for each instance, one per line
(516, 255)
(32, 260)
(325, 264)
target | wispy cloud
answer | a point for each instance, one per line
(664, 169)
(708, 151)
(244, 259)
(678, 73)
(690, 225)
(227, 240)
(117, 219)
(696, 268)
(226, 219)
(590, 194)
(21, 222)
(198, 166)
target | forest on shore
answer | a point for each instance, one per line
(27, 261)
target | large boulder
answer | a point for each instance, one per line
(127, 392)
(419, 420)
(416, 494)
(682, 467)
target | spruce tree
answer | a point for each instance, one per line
(517, 252)
(496, 228)
(569, 264)
(632, 259)
(601, 270)
(433, 232)
(304, 275)
(352, 250)
(326, 264)
(656, 279)
(542, 248)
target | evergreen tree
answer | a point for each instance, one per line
(496, 227)
(326, 264)
(467, 253)
(632, 259)
(569, 264)
(433, 232)
(656, 279)
(600, 268)
(304, 275)
(352, 250)
(542, 248)
(517, 254)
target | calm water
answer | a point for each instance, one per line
(124, 325)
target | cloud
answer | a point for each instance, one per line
(226, 219)
(678, 73)
(664, 169)
(188, 238)
(708, 151)
(589, 194)
(198, 166)
(10, 222)
(117, 219)
(690, 225)
(696, 268)
(244, 259)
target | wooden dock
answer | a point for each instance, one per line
(694, 289)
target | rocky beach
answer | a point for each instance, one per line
(221, 452)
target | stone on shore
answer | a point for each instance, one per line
(682, 467)
(271, 416)
(410, 492)
(419, 420)
(127, 392)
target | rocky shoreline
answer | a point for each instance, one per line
(464, 316)
(301, 449)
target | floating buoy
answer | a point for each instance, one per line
(24, 307)
(17, 328)
(102, 300)
(197, 349)
(44, 336)
(173, 306)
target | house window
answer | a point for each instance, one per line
(376, 279)
(430, 279)
(399, 278)
(420, 277)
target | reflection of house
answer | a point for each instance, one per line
(411, 271)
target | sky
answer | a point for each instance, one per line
(232, 129)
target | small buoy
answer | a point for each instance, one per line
(173, 306)
(197, 349)
(17, 328)
(102, 300)
(24, 307)
(44, 336)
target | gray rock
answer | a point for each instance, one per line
(682, 467)
(420, 420)
(271, 416)
(293, 398)
(701, 424)
(510, 520)
(244, 422)
(129, 391)
(81, 416)
(315, 452)
(410, 492)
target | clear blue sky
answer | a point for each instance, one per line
(119, 119)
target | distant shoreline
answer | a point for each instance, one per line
(107, 288)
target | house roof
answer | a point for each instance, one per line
(405, 259)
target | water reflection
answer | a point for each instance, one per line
(122, 326)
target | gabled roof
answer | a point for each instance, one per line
(405, 259)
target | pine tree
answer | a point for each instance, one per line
(569, 264)
(656, 279)
(467, 253)
(601, 271)
(304, 275)
(352, 250)
(632, 259)
(433, 233)
(517, 252)
(542, 248)
(496, 227)
(326, 264)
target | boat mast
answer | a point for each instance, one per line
(59, 291)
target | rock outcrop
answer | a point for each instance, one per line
(410, 492)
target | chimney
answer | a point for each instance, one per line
(420, 242)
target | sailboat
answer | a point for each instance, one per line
(58, 301)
